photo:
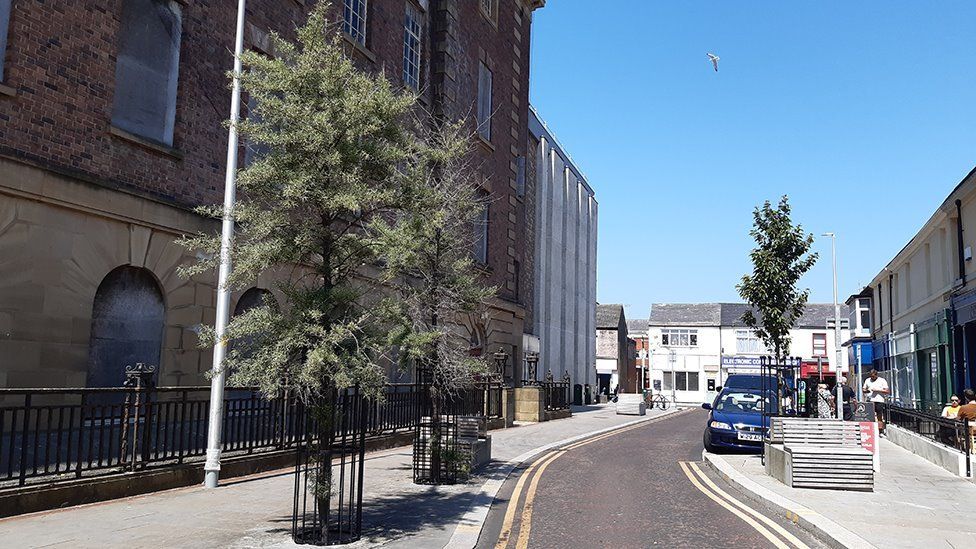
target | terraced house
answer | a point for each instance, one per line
(111, 132)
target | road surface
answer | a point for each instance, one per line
(643, 486)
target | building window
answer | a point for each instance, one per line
(484, 101)
(411, 47)
(354, 20)
(481, 237)
(147, 69)
(517, 274)
(520, 177)
(820, 345)
(679, 338)
(4, 25)
(747, 342)
(488, 8)
(680, 381)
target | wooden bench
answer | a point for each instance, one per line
(819, 453)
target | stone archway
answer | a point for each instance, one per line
(127, 325)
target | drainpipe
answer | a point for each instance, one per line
(961, 251)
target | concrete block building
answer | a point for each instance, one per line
(562, 217)
(111, 132)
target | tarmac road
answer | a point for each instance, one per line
(642, 486)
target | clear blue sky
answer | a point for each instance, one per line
(862, 112)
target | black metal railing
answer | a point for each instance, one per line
(950, 432)
(51, 435)
(557, 395)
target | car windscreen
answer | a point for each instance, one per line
(743, 402)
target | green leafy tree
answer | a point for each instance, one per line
(336, 148)
(430, 266)
(781, 257)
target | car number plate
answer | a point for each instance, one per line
(751, 437)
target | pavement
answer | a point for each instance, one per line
(914, 504)
(255, 511)
(635, 487)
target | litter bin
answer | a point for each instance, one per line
(587, 395)
(577, 395)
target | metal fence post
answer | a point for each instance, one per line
(969, 448)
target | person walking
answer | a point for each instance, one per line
(875, 390)
(847, 393)
(823, 402)
(875, 387)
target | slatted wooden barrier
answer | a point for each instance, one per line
(822, 453)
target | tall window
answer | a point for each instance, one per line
(147, 69)
(746, 341)
(4, 24)
(679, 338)
(411, 47)
(819, 344)
(488, 7)
(484, 101)
(481, 237)
(354, 19)
(520, 176)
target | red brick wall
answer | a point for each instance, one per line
(61, 62)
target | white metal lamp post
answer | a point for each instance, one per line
(838, 353)
(212, 466)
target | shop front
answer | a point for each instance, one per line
(933, 357)
(964, 340)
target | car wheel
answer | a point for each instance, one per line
(708, 444)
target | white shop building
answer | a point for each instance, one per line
(695, 346)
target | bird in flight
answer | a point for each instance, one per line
(714, 59)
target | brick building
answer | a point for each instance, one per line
(111, 132)
(614, 350)
(637, 330)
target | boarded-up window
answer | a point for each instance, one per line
(147, 69)
(4, 25)
(127, 325)
(484, 101)
(481, 236)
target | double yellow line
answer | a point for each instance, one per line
(531, 477)
(776, 534)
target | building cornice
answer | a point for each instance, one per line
(533, 5)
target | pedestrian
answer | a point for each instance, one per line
(875, 387)
(847, 393)
(823, 401)
(875, 390)
(952, 410)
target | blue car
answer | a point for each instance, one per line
(736, 420)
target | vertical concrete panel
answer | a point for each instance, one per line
(592, 244)
(557, 259)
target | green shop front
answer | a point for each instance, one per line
(918, 363)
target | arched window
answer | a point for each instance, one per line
(253, 298)
(127, 325)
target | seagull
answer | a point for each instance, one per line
(714, 59)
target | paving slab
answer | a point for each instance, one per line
(255, 511)
(914, 503)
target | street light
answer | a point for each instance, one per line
(212, 466)
(837, 350)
